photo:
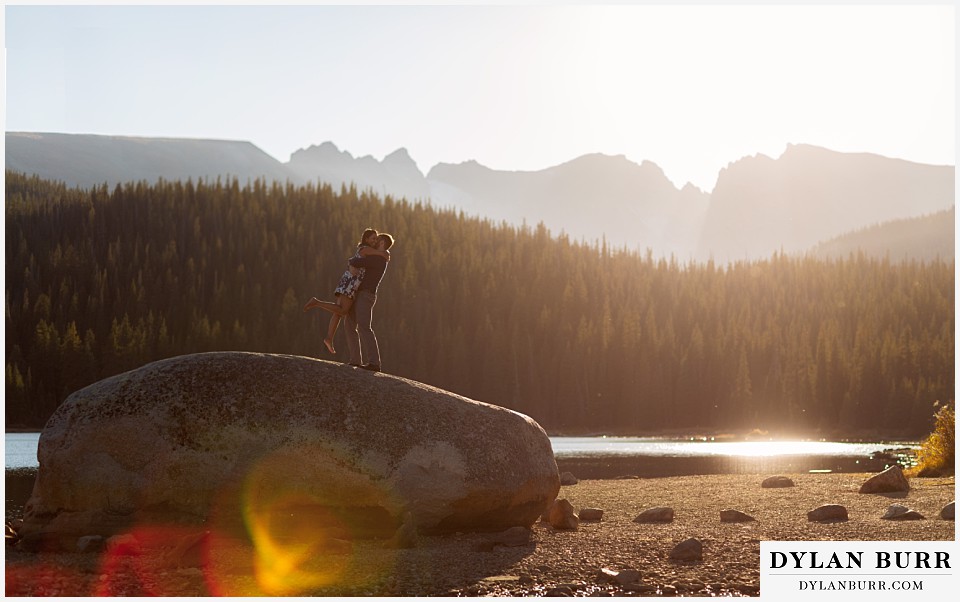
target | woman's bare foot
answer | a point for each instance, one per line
(329, 345)
(313, 302)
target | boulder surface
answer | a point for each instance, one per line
(197, 437)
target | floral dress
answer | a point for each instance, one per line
(349, 283)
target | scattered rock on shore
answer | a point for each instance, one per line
(655, 515)
(734, 516)
(562, 515)
(900, 512)
(567, 478)
(890, 480)
(947, 512)
(777, 481)
(827, 512)
(627, 576)
(688, 549)
(590, 514)
(453, 565)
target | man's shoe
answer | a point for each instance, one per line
(371, 367)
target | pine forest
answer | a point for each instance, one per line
(582, 337)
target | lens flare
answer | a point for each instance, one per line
(303, 509)
(38, 580)
(303, 520)
(295, 544)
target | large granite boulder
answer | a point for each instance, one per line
(195, 438)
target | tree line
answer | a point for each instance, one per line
(581, 336)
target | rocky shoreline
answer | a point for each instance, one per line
(611, 556)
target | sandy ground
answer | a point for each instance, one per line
(555, 562)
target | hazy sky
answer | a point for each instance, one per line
(688, 87)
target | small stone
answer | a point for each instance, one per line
(560, 591)
(688, 549)
(947, 512)
(669, 590)
(827, 512)
(890, 480)
(606, 575)
(567, 478)
(655, 515)
(591, 514)
(734, 516)
(627, 576)
(894, 510)
(777, 481)
(562, 515)
(899, 512)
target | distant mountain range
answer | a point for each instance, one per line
(922, 238)
(760, 205)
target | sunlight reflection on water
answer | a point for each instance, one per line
(655, 446)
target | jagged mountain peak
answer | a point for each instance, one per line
(469, 166)
(326, 151)
(399, 155)
(401, 163)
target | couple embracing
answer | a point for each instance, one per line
(356, 295)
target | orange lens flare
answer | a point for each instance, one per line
(298, 546)
(291, 503)
(300, 521)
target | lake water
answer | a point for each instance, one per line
(611, 457)
(21, 448)
(601, 458)
(662, 447)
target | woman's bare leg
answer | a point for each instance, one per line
(335, 308)
(343, 307)
(332, 330)
(313, 302)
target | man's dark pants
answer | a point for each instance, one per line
(360, 335)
